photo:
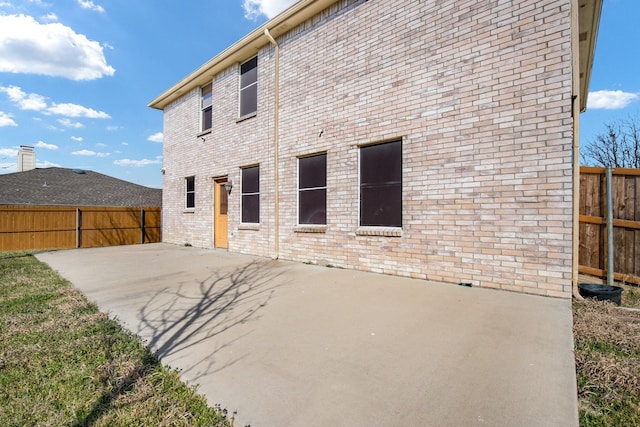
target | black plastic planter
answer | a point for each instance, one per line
(601, 292)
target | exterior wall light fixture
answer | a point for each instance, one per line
(228, 186)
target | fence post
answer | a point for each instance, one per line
(77, 228)
(609, 230)
(142, 226)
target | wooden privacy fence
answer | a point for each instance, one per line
(625, 192)
(64, 227)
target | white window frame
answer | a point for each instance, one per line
(187, 192)
(241, 88)
(204, 104)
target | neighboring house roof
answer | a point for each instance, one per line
(588, 21)
(73, 187)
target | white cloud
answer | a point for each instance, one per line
(47, 164)
(7, 167)
(77, 138)
(610, 99)
(75, 110)
(70, 124)
(156, 137)
(137, 163)
(90, 153)
(125, 143)
(269, 8)
(113, 128)
(27, 46)
(25, 101)
(42, 144)
(35, 102)
(88, 4)
(6, 120)
(8, 152)
(84, 153)
(50, 17)
(101, 145)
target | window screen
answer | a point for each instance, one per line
(251, 194)
(190, 186)
(312, 189)
(206, 107)
(249, 87)
(381, 185)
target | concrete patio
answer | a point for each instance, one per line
(289, 344)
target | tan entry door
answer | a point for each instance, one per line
(220, 222)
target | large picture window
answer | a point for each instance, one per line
(190, 192)
(312, 189)
(206, 107)
(251, 194)
(249, 87)
(381, 185)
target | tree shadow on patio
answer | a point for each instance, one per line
(179, 318)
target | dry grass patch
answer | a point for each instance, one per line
(607, 346)
(603, 322)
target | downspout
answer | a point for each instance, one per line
(575, 153)
(276, 145)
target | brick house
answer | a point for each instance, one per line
(431, 139)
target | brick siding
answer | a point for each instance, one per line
(479, 92)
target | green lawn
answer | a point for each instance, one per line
(63, 363)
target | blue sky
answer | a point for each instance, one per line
(76, 75)
(614, 90)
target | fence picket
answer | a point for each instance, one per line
(626, 223)
(66, 227)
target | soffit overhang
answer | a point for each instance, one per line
(588, 21)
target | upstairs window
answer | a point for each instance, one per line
(249, 87)
(381, 185)
(251, 195)
(205, 107)
(190, 192)
(312, 190)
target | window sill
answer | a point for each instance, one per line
(246, 117)
(189, 210)
(310, 229)
(248, 226)
(379, 231)
(203, 133)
